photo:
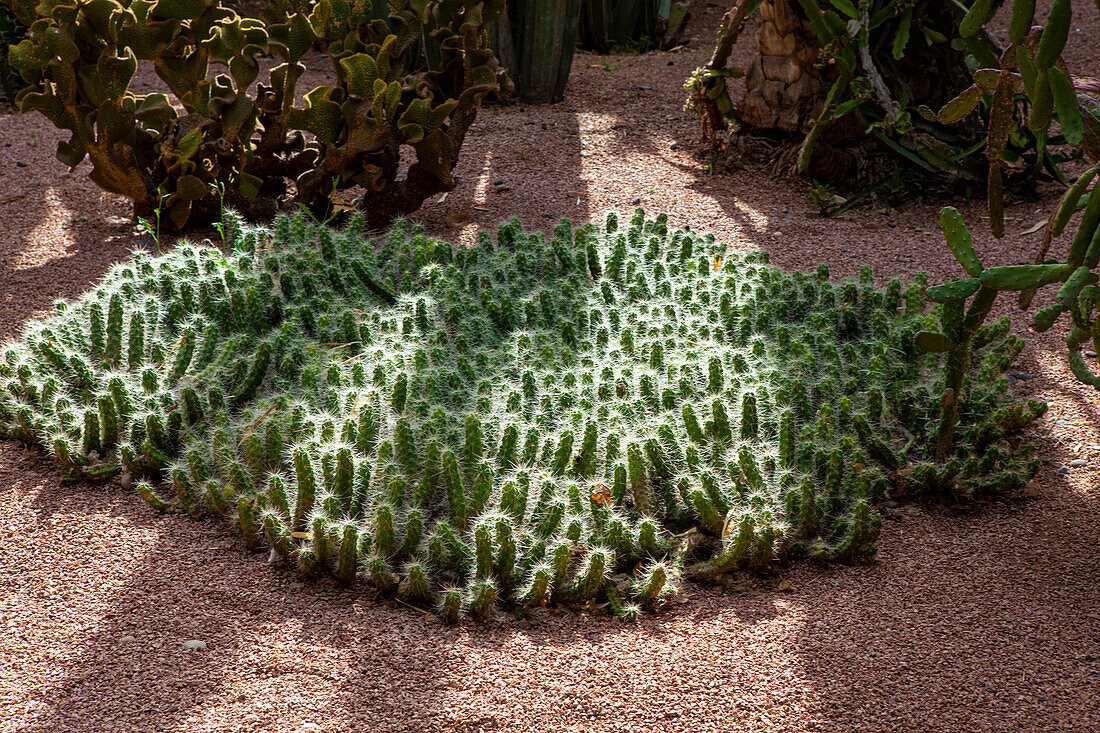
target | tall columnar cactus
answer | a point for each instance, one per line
(240, 141)
(536, 39)
(606, 24)
(519, 423)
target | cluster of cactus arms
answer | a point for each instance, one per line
(1029, 71)
(1078, 294)
(593, 418)
(244, 141)
(1032, 68)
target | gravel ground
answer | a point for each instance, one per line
(976, 621)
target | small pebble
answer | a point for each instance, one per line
(194, 644)
(1062, 470)
(636, 202)
(127, 481)
(1078, 462)
(498, 182)
(126, 639)
(889, 504)
(310, 726)
(673, 145)
(1090, 354)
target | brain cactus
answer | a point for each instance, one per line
(594, 417)
(246, 143)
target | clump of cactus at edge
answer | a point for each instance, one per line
(592, 418)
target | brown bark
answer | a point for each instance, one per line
(403, 197)
(784, 88)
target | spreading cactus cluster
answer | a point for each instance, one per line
(592, 418)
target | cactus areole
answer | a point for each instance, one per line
(408, 75)
(591, 418)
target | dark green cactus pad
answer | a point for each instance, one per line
(506, 427)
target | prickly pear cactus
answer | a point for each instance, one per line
(240, 144)
(594, 417)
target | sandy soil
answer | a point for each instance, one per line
(980, 621)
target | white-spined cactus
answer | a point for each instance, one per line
(518, 423)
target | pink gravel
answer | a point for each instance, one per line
(976, 621)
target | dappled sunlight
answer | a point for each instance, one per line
(595, 127)
(648, 169)
(51, 623)
(609, 417)
(748, 223)
(1071, 427)
(466, 221)
(47, 241)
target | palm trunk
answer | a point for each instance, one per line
(784, 88)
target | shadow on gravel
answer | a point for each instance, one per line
(502, 173)
(985, 620)
(37, 266)
(964, 622)
(637, 128)
(279, 653)
(350, 662)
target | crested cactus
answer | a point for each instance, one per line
(239, 140)
(519, 461)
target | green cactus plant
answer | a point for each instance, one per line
(11, 33)
(520, 462)
(1062, 111)
(936, 86)
(536, 41)
(608, 24)
(241, 144)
